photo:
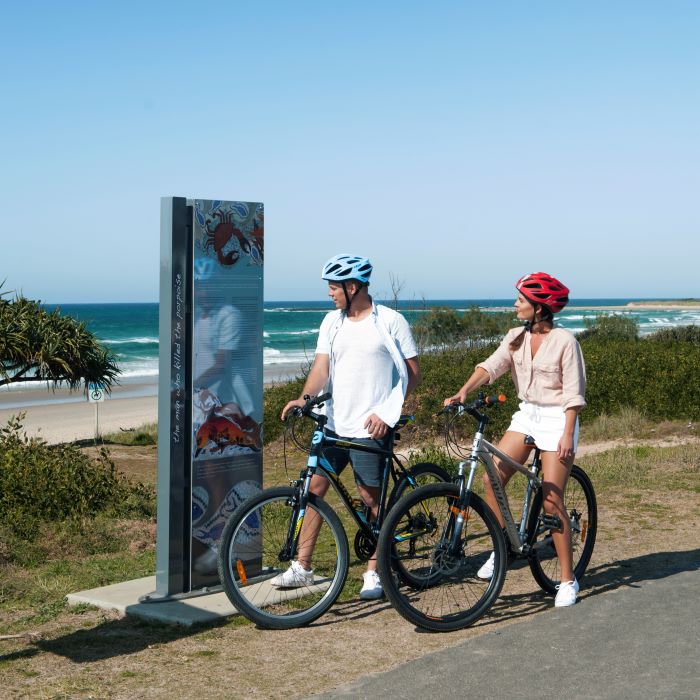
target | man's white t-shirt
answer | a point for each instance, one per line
(363, 370)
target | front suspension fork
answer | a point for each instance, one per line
(300, 500)
(460, 511)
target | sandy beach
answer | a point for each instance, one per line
(64, 416)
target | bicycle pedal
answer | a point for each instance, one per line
(551, 522)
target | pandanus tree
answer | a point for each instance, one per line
(37, 345)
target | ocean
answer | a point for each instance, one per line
(291, 327)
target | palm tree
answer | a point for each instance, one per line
(41, 346)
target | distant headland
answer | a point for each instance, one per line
(674, 303)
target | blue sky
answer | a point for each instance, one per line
(457, 144)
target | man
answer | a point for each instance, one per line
(367, 359)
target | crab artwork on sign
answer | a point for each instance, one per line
(222, 429)
(231, 232)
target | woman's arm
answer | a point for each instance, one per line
(565, 448)
(479, 377)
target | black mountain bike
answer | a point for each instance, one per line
(442, 534)
(265, 532)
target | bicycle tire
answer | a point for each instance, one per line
(451, 596)
(249, 555)
(580, 504)
(422, 473)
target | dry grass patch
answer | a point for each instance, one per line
(648, 521)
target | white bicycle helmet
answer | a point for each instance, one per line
(341, 268)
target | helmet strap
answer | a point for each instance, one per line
(531, 322)
(348, 300)
(545, 316)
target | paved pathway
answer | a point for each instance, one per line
(638, 642)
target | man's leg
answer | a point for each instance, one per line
(312, 523)
(338, 459)
(370, 495)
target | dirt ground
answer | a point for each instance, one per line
(86, 653)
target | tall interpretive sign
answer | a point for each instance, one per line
(211, 381)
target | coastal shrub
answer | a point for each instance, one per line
(679, 334)
(659, 378)
(274, 399)
(443, 374)
(658, 375)
(444, 327)
(610, 327)
(42, 482)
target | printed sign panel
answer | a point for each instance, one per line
(227, 371)
(96, 393)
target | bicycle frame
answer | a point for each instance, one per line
(482, 451)
(317, 461)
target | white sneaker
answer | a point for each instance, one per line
(566, 594)
(295, 576)
(486, 570)
(372, 586)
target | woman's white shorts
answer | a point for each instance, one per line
(544, 423)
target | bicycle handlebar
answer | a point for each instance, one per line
(311, 401)
(481, 402)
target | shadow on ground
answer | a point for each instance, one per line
(110, 639)
(604, 578)
(128, 636)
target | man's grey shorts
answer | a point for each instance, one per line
(368, 467)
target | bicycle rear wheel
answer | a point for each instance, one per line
(250, 555)
(445, 593)
(416, 476)
(580, 504)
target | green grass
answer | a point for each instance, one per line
(31, 596)
(70, 556)
(643, 467)
(143, 435)
(630, 423)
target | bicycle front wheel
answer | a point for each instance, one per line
(420, 537)
(251, 556)
(580, 504)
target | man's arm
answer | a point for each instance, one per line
(414, 375)
(316, 380)
(374, 425)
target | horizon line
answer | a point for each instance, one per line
(572, 302)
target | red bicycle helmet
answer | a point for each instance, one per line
(541, 288)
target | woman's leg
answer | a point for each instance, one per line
(555, 475)
(513, 444)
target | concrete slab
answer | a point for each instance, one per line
(208, 607)
(125, 597)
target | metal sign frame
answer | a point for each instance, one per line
(210, 382)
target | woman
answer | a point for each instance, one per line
(549, 376)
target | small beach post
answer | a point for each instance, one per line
(96, 395)
(210, 394)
